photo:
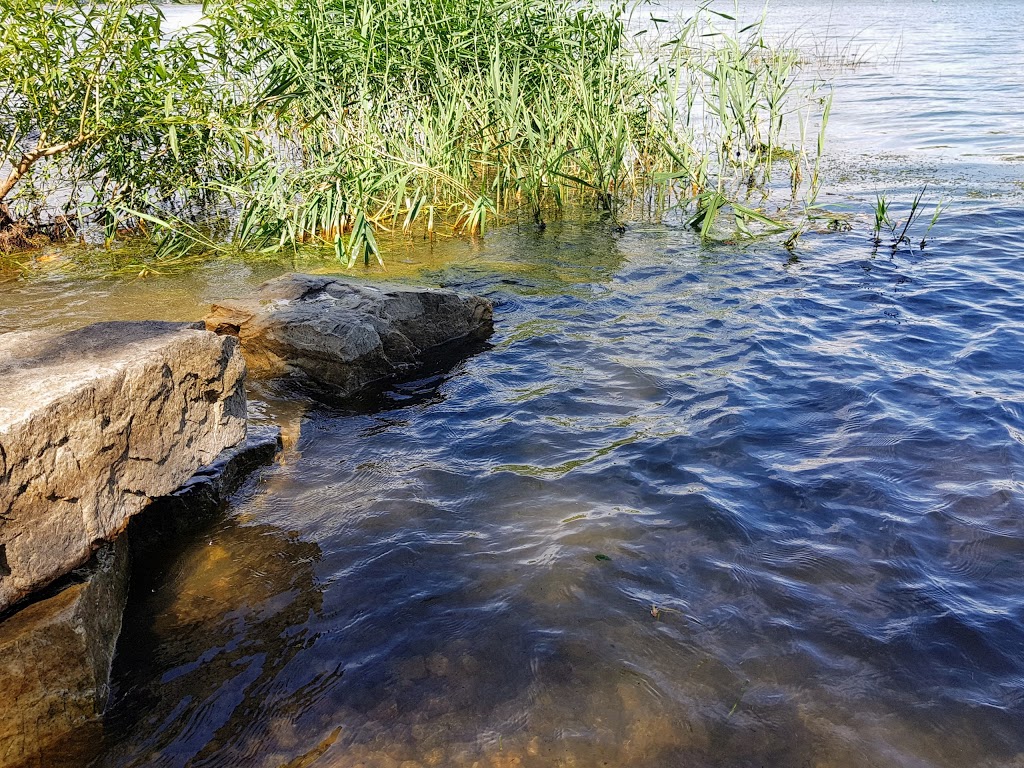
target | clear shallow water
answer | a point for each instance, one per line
(811, 471)
(694, 507)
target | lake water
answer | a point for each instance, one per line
(696, 506)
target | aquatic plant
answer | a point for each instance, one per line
(899, 230)
(881, 217)
(331, 122)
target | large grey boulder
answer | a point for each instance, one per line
(96, 422)
(348, 335)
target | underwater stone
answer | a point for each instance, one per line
(207, 492)
(55, 657)
(96, 422)
(347, 335)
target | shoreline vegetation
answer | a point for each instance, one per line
(333, 123)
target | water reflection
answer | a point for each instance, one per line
(703, 509)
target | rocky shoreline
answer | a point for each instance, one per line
(118, 435)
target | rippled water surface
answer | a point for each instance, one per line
(711, 506)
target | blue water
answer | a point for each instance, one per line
(811, 472)
(695, 506)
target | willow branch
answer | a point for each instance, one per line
(40, 152)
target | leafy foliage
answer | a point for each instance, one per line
(272, 124)
(100, 112)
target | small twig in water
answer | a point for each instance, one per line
(746, 685)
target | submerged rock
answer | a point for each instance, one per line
(55, 656)
(347, 335)
(96, 422)
(207, 492)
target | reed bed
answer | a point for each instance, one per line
(273, 125)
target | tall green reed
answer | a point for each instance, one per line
(330, 122)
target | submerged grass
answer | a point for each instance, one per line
(275, 125)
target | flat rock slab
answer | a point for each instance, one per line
(348, 335)
(96, 422)
(207, 493)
